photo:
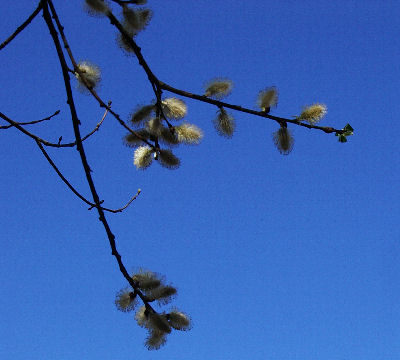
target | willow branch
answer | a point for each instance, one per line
(18, 126)
(245, 110)
(158, 85)
(31, 122)
(134, 197)
(80, 148)
(124, 2)
(142, 62)
(63, 178)
(82, 77)
(21, 27)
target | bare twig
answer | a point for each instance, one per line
(122, 208)
(46, 155)
(18, 126)
(124, 2)
(99, 124)
(31, 122)
(63, 178)
(22, 26)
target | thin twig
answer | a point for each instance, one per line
(46, 155)
(122, 208)
(63, 178)
(31, 122)
(45, 142)
(22, 26)
(124, 2)
(99, 124)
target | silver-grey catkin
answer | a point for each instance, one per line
(143, 158)
(168, 159)
(283, 140)
(267, 98)
(174, 108)
(179, 320)
(96, 7)
(125, 301)
(313, 113)
(131, 140)
(218, 88)
(163, 294)
(90, 76)
(224, 123)
(188, 133)
(155, 340)
(146, 279)
(169, 136)
(142, 113)
(136, 20)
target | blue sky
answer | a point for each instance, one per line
(274, 257)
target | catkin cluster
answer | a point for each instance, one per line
(158, 324)
(153, 125)
(155, 128)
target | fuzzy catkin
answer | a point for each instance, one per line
(136, 20)
(143, 158)
(174, 108)
(267, 98)
(96, 7)
(90, 76)
(283, 140)
(155, 340)
(131, 140)
(178, 320)
(224, 123)
(188, 133)
(218, 88)
(168, 159)
(125, 301)
(142, 113)
(313, 113)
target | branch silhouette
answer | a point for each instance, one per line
(21, 27)
(146, 285)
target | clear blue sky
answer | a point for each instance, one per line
(275, 257)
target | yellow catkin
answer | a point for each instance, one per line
(90, 75)
(267, 98)
(313, 113)
(174, 108)
(188, 133)
(143, 158)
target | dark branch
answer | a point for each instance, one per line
(125, 2)
(22, 26)
(245, 110)
(46, 155)
(90, 88)
(45, 142)
(158, 86)
(75, 123)
(31, 122)
(62, 177)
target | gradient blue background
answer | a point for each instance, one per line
(275, 257)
